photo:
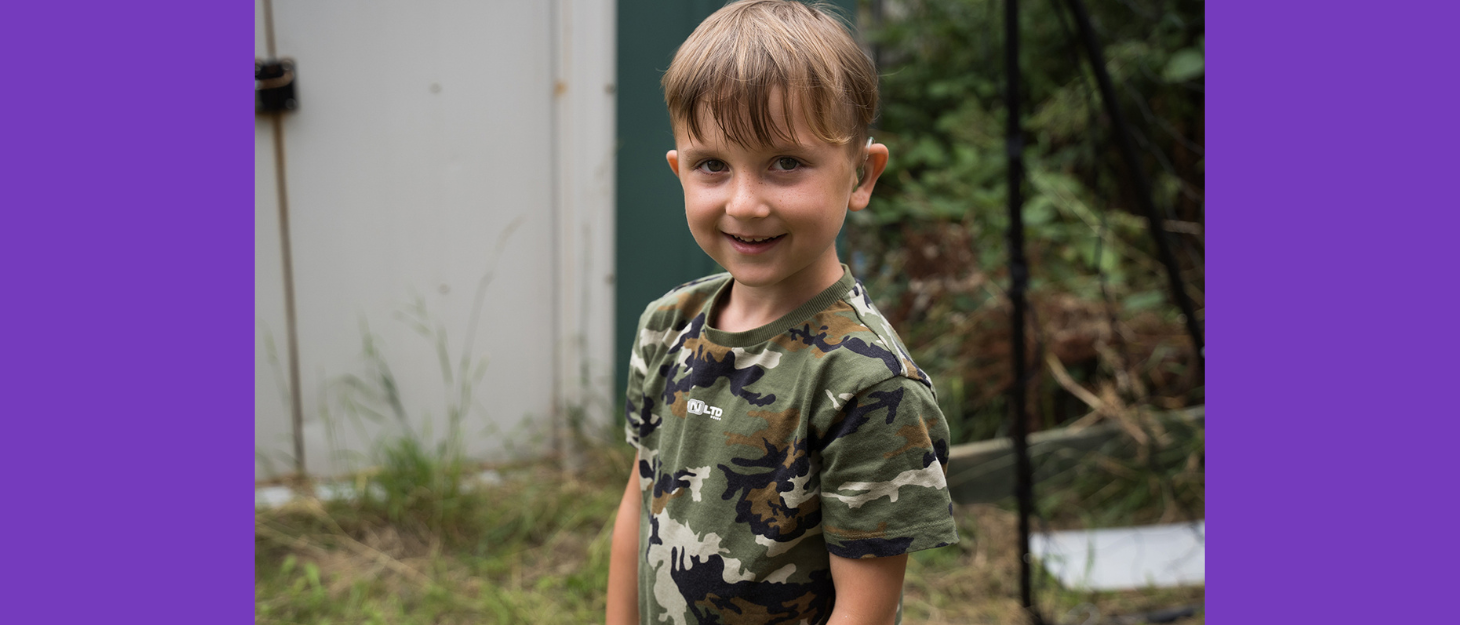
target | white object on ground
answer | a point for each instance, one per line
(490, 477)
(1125, 558)
(271, 496)
(275, 496)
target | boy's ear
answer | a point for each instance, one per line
(673, 158)
(874, 165)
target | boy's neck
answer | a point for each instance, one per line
(749, 307)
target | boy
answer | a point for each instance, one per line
(790, 454)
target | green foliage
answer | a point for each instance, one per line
(1185, 64)
(416, 488)
(932, 244)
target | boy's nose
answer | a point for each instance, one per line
(745, 201)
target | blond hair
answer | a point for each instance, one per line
(742, 54)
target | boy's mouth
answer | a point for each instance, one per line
(752, 245)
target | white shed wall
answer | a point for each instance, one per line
(427, 133)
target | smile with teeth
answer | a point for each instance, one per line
(753, 239)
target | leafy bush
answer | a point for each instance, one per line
(931, 246)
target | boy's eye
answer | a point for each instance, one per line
(713, 166)
(787, 163)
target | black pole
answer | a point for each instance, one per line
(1019, 278)
(1143, 187)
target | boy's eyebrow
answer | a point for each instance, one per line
(690, 154)
(702, 150)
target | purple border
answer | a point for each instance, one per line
(126, 239)
(1331, 137)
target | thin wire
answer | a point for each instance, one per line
(1088, 92)
(1196, 255)
(1143, 190)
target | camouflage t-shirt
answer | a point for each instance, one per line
(761, 452)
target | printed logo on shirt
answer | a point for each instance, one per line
(696, 406)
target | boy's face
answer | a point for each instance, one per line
(770, 216)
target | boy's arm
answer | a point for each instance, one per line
(623, 562)
(867, 589)
(883, 493)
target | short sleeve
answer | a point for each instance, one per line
(638, 409)
(883, 485)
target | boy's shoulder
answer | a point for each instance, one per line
(687, 299)
(852, 333)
